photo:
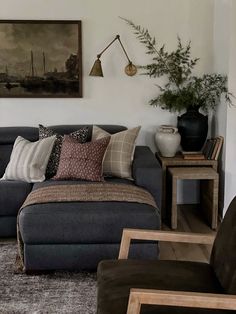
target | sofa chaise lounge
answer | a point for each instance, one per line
(76, 235)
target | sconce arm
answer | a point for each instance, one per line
(99, 55)
(116, 38)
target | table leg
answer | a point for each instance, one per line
(164, 194)
(209, 201)
(174, 204)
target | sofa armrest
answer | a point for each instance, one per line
(147, 172)
(157, 235)
(138, 297)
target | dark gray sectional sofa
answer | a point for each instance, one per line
(76, 235)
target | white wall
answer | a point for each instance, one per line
(116, 98)
(224, 122)
(230, 156)
(221, 65)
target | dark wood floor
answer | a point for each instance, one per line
(189, 220)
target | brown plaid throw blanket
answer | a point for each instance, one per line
(92, 192)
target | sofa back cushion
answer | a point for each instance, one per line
(67, 129)
(8, 136)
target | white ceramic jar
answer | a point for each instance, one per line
(167, 140)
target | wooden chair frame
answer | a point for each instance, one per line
(138, 297)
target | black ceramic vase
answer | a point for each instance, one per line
(193, 128)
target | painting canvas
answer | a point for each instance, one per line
(40, 59)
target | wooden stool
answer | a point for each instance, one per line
(208, 194)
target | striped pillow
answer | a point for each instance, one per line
(119, 154)
(29, 160)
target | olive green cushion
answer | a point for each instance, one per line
(116, 277)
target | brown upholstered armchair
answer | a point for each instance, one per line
(161, 287)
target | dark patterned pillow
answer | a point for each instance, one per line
(81, 161)
(80, 135)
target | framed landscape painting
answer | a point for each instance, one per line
(40, 59)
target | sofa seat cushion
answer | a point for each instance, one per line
(83, 222)
(117, 277)
(12, 196)
(80, 256)
(7, 226)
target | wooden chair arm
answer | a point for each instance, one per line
(180, 299)
(156, 235)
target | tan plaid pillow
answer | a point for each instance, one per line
(119, 155)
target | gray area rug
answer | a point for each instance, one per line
(58, 292)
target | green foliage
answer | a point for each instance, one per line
(182, 90)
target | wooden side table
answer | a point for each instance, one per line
(179, 161)
(209, 180)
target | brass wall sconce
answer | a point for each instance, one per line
(96, 70)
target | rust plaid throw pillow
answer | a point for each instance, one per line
(119, 155)
(81, 161)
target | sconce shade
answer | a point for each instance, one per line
(96, 69)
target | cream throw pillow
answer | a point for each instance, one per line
(119, 154)
(28, 161)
